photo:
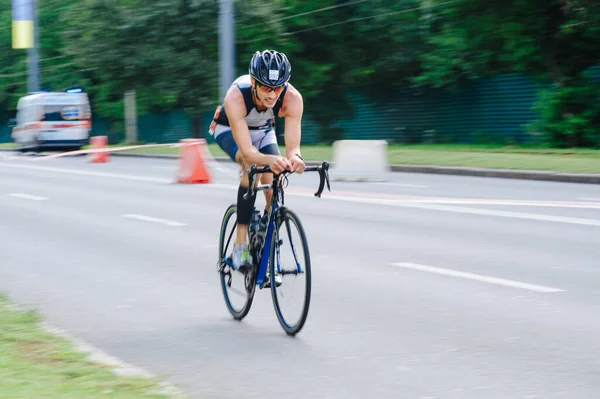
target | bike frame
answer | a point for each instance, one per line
(265, 251)
(277, 206)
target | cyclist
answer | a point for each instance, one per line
(244, 127)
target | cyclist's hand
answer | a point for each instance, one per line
(298, 164)
(279, 164)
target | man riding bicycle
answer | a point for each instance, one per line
(244, 127)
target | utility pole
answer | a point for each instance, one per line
(226, 46)
(33, 57)
(25, 35)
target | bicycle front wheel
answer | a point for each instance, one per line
(289, 269)
(238, 288)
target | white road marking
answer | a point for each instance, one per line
(233, 173)
(400, 200)
(477, 277)
(401, 185)
(90, 173)
(506, 214)
(537, 204)
(475, 211)
(6, 157)
(28, 196)
(358, 199)
(154, 220)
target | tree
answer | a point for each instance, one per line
(556, 41)
(56, 69)
(13, 67)
(167, 50)
(336, 47)
(164, 49)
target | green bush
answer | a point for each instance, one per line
(570, 114)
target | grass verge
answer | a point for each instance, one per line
(37, 364)
(518, 158)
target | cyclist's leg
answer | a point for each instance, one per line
(225, 140)
(267, 144)
(267, 178)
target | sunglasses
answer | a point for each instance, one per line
(267, 89)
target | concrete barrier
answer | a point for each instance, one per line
(360, 160)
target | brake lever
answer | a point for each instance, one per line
(324, 177)
(326, 168)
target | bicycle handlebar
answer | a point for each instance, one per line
(323, 170)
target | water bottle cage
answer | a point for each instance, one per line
(258, 234)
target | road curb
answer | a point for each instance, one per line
(590, 178)
(116, 365)
(587, 178)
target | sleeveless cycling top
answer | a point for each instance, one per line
(255, 119)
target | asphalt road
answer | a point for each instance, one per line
(424, 286)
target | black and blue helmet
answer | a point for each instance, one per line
(270, 68)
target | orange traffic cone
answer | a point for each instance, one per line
(192, 168)
(99, 142)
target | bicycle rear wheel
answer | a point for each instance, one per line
(238, 288)
(290, 260)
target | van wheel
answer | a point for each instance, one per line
(36, 146)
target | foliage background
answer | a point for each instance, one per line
(374, 49)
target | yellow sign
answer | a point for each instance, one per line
(22, 34)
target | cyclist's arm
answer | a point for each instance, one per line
(293, 109)
(236, 112)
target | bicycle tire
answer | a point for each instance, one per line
(288, 215)
(241, 313)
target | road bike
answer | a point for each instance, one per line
(265, 246)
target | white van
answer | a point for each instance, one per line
(53, 121)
